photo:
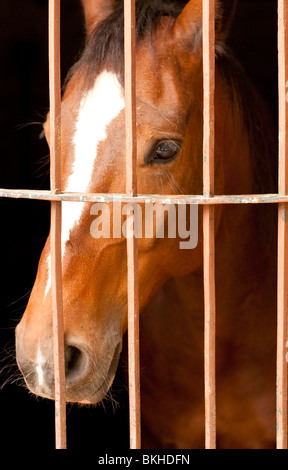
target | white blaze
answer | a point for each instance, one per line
(48, 285)
(98, 108)
(39, 366)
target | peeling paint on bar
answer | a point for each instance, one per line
(144, 198)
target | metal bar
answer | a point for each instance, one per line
(132, 246)
(144, 198)
(208, 221)
(55, 230)
(281, 380)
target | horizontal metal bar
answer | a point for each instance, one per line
(143, 198)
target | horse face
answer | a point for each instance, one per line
(169, 155)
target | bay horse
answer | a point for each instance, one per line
(169, 161)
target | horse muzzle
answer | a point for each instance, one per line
(87, 377)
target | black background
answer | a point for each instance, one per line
(26, 421)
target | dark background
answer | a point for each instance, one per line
(26, 421)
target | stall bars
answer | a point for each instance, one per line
(208, 200)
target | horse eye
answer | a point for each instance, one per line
(164, 151)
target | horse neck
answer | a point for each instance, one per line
(243, 273)
(233, 156)
(238, 236)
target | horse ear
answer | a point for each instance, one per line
(225, 11)
(96, 11)
(188, 26)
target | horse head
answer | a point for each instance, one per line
(169, 160)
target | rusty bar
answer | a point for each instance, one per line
(281, 380)
(55, 229)
(208, 221)
(44, 195)
(132, 247)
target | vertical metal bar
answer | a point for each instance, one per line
(132, 247)
(281, 385)
(208, 221)
(55, 230)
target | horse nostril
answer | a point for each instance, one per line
(72, 358)
(75, 363)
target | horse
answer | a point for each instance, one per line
(169, 106)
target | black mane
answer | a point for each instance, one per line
(105, 45)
